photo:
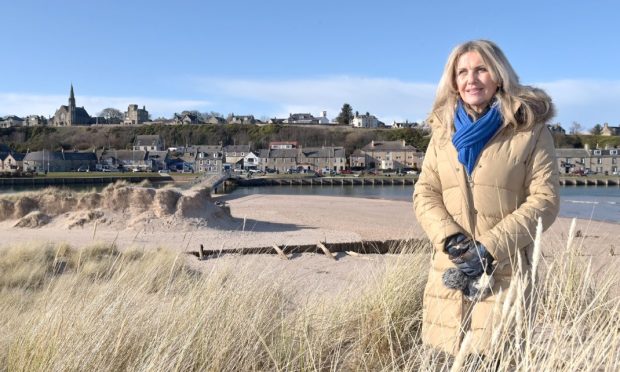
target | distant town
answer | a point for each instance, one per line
(149, 154)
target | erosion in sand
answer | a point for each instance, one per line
(120, 205)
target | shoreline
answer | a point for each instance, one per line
(287, 221)
(259, 220)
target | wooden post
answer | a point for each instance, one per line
(280, 252)
(326, 251)
(201, 253)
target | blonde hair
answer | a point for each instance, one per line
(521, 106)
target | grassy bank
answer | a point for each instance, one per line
(100, 309)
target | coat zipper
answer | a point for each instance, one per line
(473, 213)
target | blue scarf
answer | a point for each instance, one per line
(471, 137)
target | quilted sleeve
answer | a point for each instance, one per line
(428, 203)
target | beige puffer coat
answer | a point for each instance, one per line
(514, 182)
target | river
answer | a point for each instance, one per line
(597, 203)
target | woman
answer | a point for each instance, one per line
(488, 175)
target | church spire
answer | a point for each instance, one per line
(71, 98)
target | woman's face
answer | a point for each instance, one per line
(474, 82)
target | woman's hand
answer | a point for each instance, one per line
(469, 256)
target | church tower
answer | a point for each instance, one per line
(72, 116)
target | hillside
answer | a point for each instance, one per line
(121, 137)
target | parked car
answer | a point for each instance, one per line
(412, 172)
(83, 169)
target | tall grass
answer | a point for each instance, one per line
(100, 309)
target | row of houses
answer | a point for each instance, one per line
(586, 160)
(148, 154)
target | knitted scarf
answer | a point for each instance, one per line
(471, 137)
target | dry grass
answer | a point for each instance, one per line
(101, 309)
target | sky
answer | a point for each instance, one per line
(270, 58)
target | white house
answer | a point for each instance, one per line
(251, 161)
(364, 121)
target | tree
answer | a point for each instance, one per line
(596, 130)
(346, 115)
(112, 115)
(575, 128)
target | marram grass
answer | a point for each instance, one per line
(98, 308)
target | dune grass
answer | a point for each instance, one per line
(98, 308)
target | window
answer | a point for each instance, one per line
(613, 152)
(599, 161)
(597, 152)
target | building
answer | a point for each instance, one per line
(586, 160)
(322, 158)
(70, 115)
(251, 161)
(278, 160)
(556, 129)
(205, 158)
(11, 121)
(365, 121)
(305, 118)
(148, 143)
(12, 162)
(157, 159)
(135, 115)
(274, 145)
(282, 159)
(59, 161)
(240, 119)
(187, 118)
(127, 159)
(357, 160)
(405, 124)
(215, 120)
(392, 155)
(610, 131)
(234, 154)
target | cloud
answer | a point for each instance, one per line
(388, 99)
(585, 101)
(23, 104)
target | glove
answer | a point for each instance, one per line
(469, 256)
(452, 245)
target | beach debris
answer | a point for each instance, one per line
(280, 252)
(201, 253)
(326, 251)
(356, 255)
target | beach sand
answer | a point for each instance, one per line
(261, 221)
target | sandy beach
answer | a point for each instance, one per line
(148, 220)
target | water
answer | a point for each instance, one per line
(597, 203)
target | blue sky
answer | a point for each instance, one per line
(271, 57)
